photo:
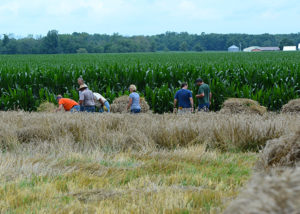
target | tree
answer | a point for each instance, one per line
(81, 50)
(198, 47)
(285, 42)
(50, 42)
(5, 40)
(184, 46)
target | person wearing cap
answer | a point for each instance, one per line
(134, 100)
(184, 98)
(204, 96)
(86, 99)
(67, 104)
(101, 102)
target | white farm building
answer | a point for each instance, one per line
(233, 48)
(289, 48)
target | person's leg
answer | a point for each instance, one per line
(82, 108)
(90, 109)
(203, 107)
(75, 109)
(135, 111)
(107, 106)
(206, 107)
(93, 109)
(101, 110)
(87, 108)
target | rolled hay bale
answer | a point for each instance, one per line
(242, 105)
(120, 104)
(276, 192)
(280, 152)
(293, 106)
(46, 107)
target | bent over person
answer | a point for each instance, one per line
(184, 98)
(204, 96)
(67, 104)
(101, 103)
(86, 99)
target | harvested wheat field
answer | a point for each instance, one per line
(114, 163)
(242, 105)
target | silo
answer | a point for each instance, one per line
(233, 48)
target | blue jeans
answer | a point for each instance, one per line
(81, 108)
(89, 108)
(135, 111)
(75, 109)
(106, 104)
(203, 107)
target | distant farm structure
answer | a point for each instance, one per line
(233, 48)
(290, 48)
(258, 49)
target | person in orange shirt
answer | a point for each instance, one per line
(68, 104)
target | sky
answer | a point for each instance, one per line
(149, 17)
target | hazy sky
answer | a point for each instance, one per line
(148, 17)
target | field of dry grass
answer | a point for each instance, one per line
(113, 163)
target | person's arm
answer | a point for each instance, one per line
(102, 103)
(200, 93)
(175, 103)
(129, 103)
(192, 103)
(60, 107)
(81, 98)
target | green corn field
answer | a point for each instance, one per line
(270, 78)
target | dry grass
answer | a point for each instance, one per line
(46, 107)
(119, 105)
(293, 106)
(277, 192)
(117, 132)
(281, 152)
(95, 163)
(274, 188)
(242, 105)
(63, 177)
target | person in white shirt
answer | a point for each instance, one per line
(101, 102)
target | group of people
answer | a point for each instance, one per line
(89, 101)
(184, 98)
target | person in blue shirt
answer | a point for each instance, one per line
(134, 100)
(184, 98)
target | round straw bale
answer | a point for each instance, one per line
(281, 152)
(293, 106)
(46, 107)
(242, 105)
(120, 104)
(276, 192)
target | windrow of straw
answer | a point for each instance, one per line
(274, 187)
(120, 104)
(277, 192)
(122, 132)
(281, 152)
(46, 107)
(242, 105)
(293, 106)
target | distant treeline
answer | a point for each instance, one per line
(170, 41)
